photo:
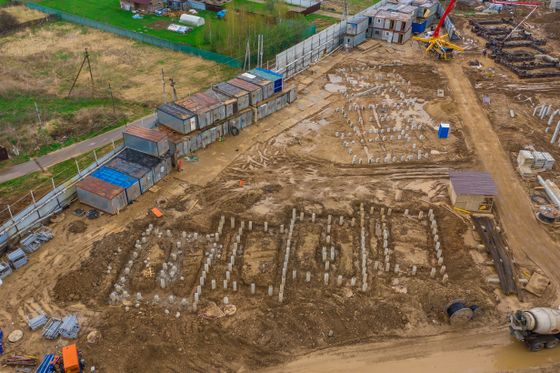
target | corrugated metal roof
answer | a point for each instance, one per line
(145, 133)
(222, 98)
(127, 168)
(472, 182)
(230, 90)
(114, 177)
(100, 187)
(270, 73)
(249, 87)
(198, 103)
(140, 158)
(176, 111)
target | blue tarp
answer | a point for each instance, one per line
(114, 177)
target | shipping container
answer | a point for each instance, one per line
(292, 94)
(202, 110)
(217, 107)
(239, 94)
(177, 118)
(267, 86)
(255, 91)
(357, 25)
(130, 184)
(228, 102)
(146, 140)
(277, 79)
(354, 40)
(101, 195)
(160, 167)
(144, 175)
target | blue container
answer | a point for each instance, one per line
(47, 365)
(443, 131)
(420, 27)
(1, 342)
(130, 184)
(277, 79)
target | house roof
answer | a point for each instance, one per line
(473, 182)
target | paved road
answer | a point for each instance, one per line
(526, 236)
(41, 163)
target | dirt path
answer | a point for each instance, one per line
(526, 236)
(471, 351)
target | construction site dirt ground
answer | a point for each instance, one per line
(302, 178)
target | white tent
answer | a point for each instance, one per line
(192, 20)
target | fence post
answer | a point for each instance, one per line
(33, 197)
(113, 142)
(10, 211)
(53, 185)
(95, 156)
(77, 166)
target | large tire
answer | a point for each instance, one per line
(234, 131)
(536, 346)
(551, 344)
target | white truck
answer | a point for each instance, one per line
(538, 327)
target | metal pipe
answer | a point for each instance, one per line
(555, 135)
(549, 190)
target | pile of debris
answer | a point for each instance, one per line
(68, 327)
(29, 244)
(514, 47)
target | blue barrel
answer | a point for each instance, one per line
(1, 342)
(443, 131)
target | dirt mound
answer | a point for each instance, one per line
(86, 284)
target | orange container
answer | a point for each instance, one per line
(71, 359)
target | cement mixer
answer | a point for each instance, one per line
(538, 327)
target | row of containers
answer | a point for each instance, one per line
(225, 109)
(184, 127)
(144, 161)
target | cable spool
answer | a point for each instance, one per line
(234, 131)
(458, 312)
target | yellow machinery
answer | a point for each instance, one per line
(440, 46)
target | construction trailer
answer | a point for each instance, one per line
(266, 85)
(160, 167)
(255, 91)
(472, 190)
(391, 22)
(101, 195)
(177, 118)
(146, 140)
(241, 96)
(130, 184)
(229, 103)
(144, 175)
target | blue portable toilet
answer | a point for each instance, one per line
(443, 131)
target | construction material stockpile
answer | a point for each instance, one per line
(205, 117)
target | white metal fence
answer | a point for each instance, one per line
(308, 52)
(299, 57)
(52, 202)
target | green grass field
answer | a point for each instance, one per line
(108, 11)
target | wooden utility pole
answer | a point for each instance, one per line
(163, 87)
(86, 59)
(112, 98)
(172, 84)
(38, 113)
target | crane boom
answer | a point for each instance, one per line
(443, 17)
